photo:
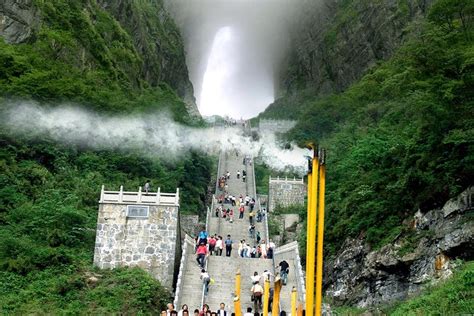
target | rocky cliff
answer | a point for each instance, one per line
(138, 40)
(424, 255)
(335, 42)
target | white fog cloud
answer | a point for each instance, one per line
(156, 135)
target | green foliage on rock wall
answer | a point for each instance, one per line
(84, 54)
(400, 139)
(452, 297)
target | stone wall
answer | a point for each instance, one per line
(190, 225)
(152, 243)
(285, 192)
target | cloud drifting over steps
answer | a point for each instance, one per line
(155, 135)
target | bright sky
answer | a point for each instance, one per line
(233, 84)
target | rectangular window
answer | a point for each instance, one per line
(139, 211)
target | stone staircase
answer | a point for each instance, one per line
(290, 254)
(221, 268)
(190, 284)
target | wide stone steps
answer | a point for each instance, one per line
(285, 295)
(223, 271)
(192, 284)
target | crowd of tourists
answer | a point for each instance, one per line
(206, 311)
(208, 245)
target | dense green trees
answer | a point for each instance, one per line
(49, 192)
(48, 213)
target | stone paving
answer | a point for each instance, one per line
(221, 268)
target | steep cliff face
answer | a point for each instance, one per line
(335, 42)
(135, 42)
(19, 20)
(422, 256)
(158, 41)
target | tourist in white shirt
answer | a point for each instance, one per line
(249, 312)
(255, 278)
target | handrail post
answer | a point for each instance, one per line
(293, 301)
(139, 199)
(102, 194)
(121, 194)
(177, 197)
(158, 195)
(276, 296)
(266, 293)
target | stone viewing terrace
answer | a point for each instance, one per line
(139, 229)
(140, 197)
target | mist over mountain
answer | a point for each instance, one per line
(257, 40)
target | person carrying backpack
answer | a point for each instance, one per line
(201, 254)
(284, 269)
(212, 244)
(202, 237)
(206, 279)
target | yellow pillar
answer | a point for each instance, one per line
(293, 301)
(237, 283)
(299, 312)
(311, 235)
(237, 308)
(319, 265)
(276, 296)
(266, 294)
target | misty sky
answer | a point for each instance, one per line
(233, 51)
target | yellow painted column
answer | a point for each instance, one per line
(238, 280)
(308, 228)
(266, 294)
(237, 308)
(311, 236)
(293, 301)
(276, 296)
(299, 311)
(319, 265)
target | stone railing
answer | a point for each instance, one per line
(140, 197)
(188, 248)
(300, 285)
(286, 180)
(219, 171)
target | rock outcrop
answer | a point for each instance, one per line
(359, 276)
(153, 44)
(335, 42)
(19, 20)
(158, 41)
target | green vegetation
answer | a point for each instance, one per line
(401, 138)
(48, 214)
(262, 175)
(452, 297)
(82, 54)
(293, 209)
(69, 290)
(49, 191)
